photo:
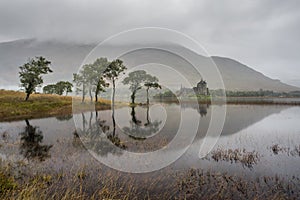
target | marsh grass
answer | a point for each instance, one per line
(276, 149)
(247, 159)
(197, 184)
(103, 183)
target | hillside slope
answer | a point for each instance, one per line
(66, 59)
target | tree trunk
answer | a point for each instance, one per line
(90, 121)
(147, 96)
(133, 97)
(83, 92)
(90, 93)
(83, 122)
(113, 108)
(96, 97)
(148, 120)
(113, 96)
(27, 122)
(96, 94)
(114, 124)
(27, 96)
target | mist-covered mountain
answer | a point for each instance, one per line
(66, 58)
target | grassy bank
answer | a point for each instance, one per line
(14, 107)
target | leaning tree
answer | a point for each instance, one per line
(31, 74)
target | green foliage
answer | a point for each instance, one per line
(49, 89)
(31, 74)
(151, 82)
(114, 69)
(58, 88)
(136, 78)
(90, 78)
(152, 85)
(167, 95)
(112, 73)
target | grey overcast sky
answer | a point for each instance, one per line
(264, 34)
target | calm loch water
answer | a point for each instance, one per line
(271, 132)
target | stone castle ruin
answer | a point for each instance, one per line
(201, 89)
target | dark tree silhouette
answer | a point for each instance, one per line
(135, 80)
(151, 82)
(58, 88)
(31, 74)
(112, 73)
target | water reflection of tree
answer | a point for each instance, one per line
(139, 132)
(98, 136)
(31, 139)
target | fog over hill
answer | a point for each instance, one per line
(67, 57)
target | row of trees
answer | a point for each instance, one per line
(96, 77)
(92, 78)
(58, 88)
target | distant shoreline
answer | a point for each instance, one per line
(13, 107)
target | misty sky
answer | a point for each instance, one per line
(262, 34)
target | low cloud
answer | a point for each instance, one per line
(261, 34)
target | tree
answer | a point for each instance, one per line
(63, 86)
(68, 87)
(101, 85)
(135, 80)
(152, 82)
(31, 74)
(58, 88)
(112, 72)
(98, 68)
(49, 89)
(90, 77)
(80, 80)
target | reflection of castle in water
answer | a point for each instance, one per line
(201, 108)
